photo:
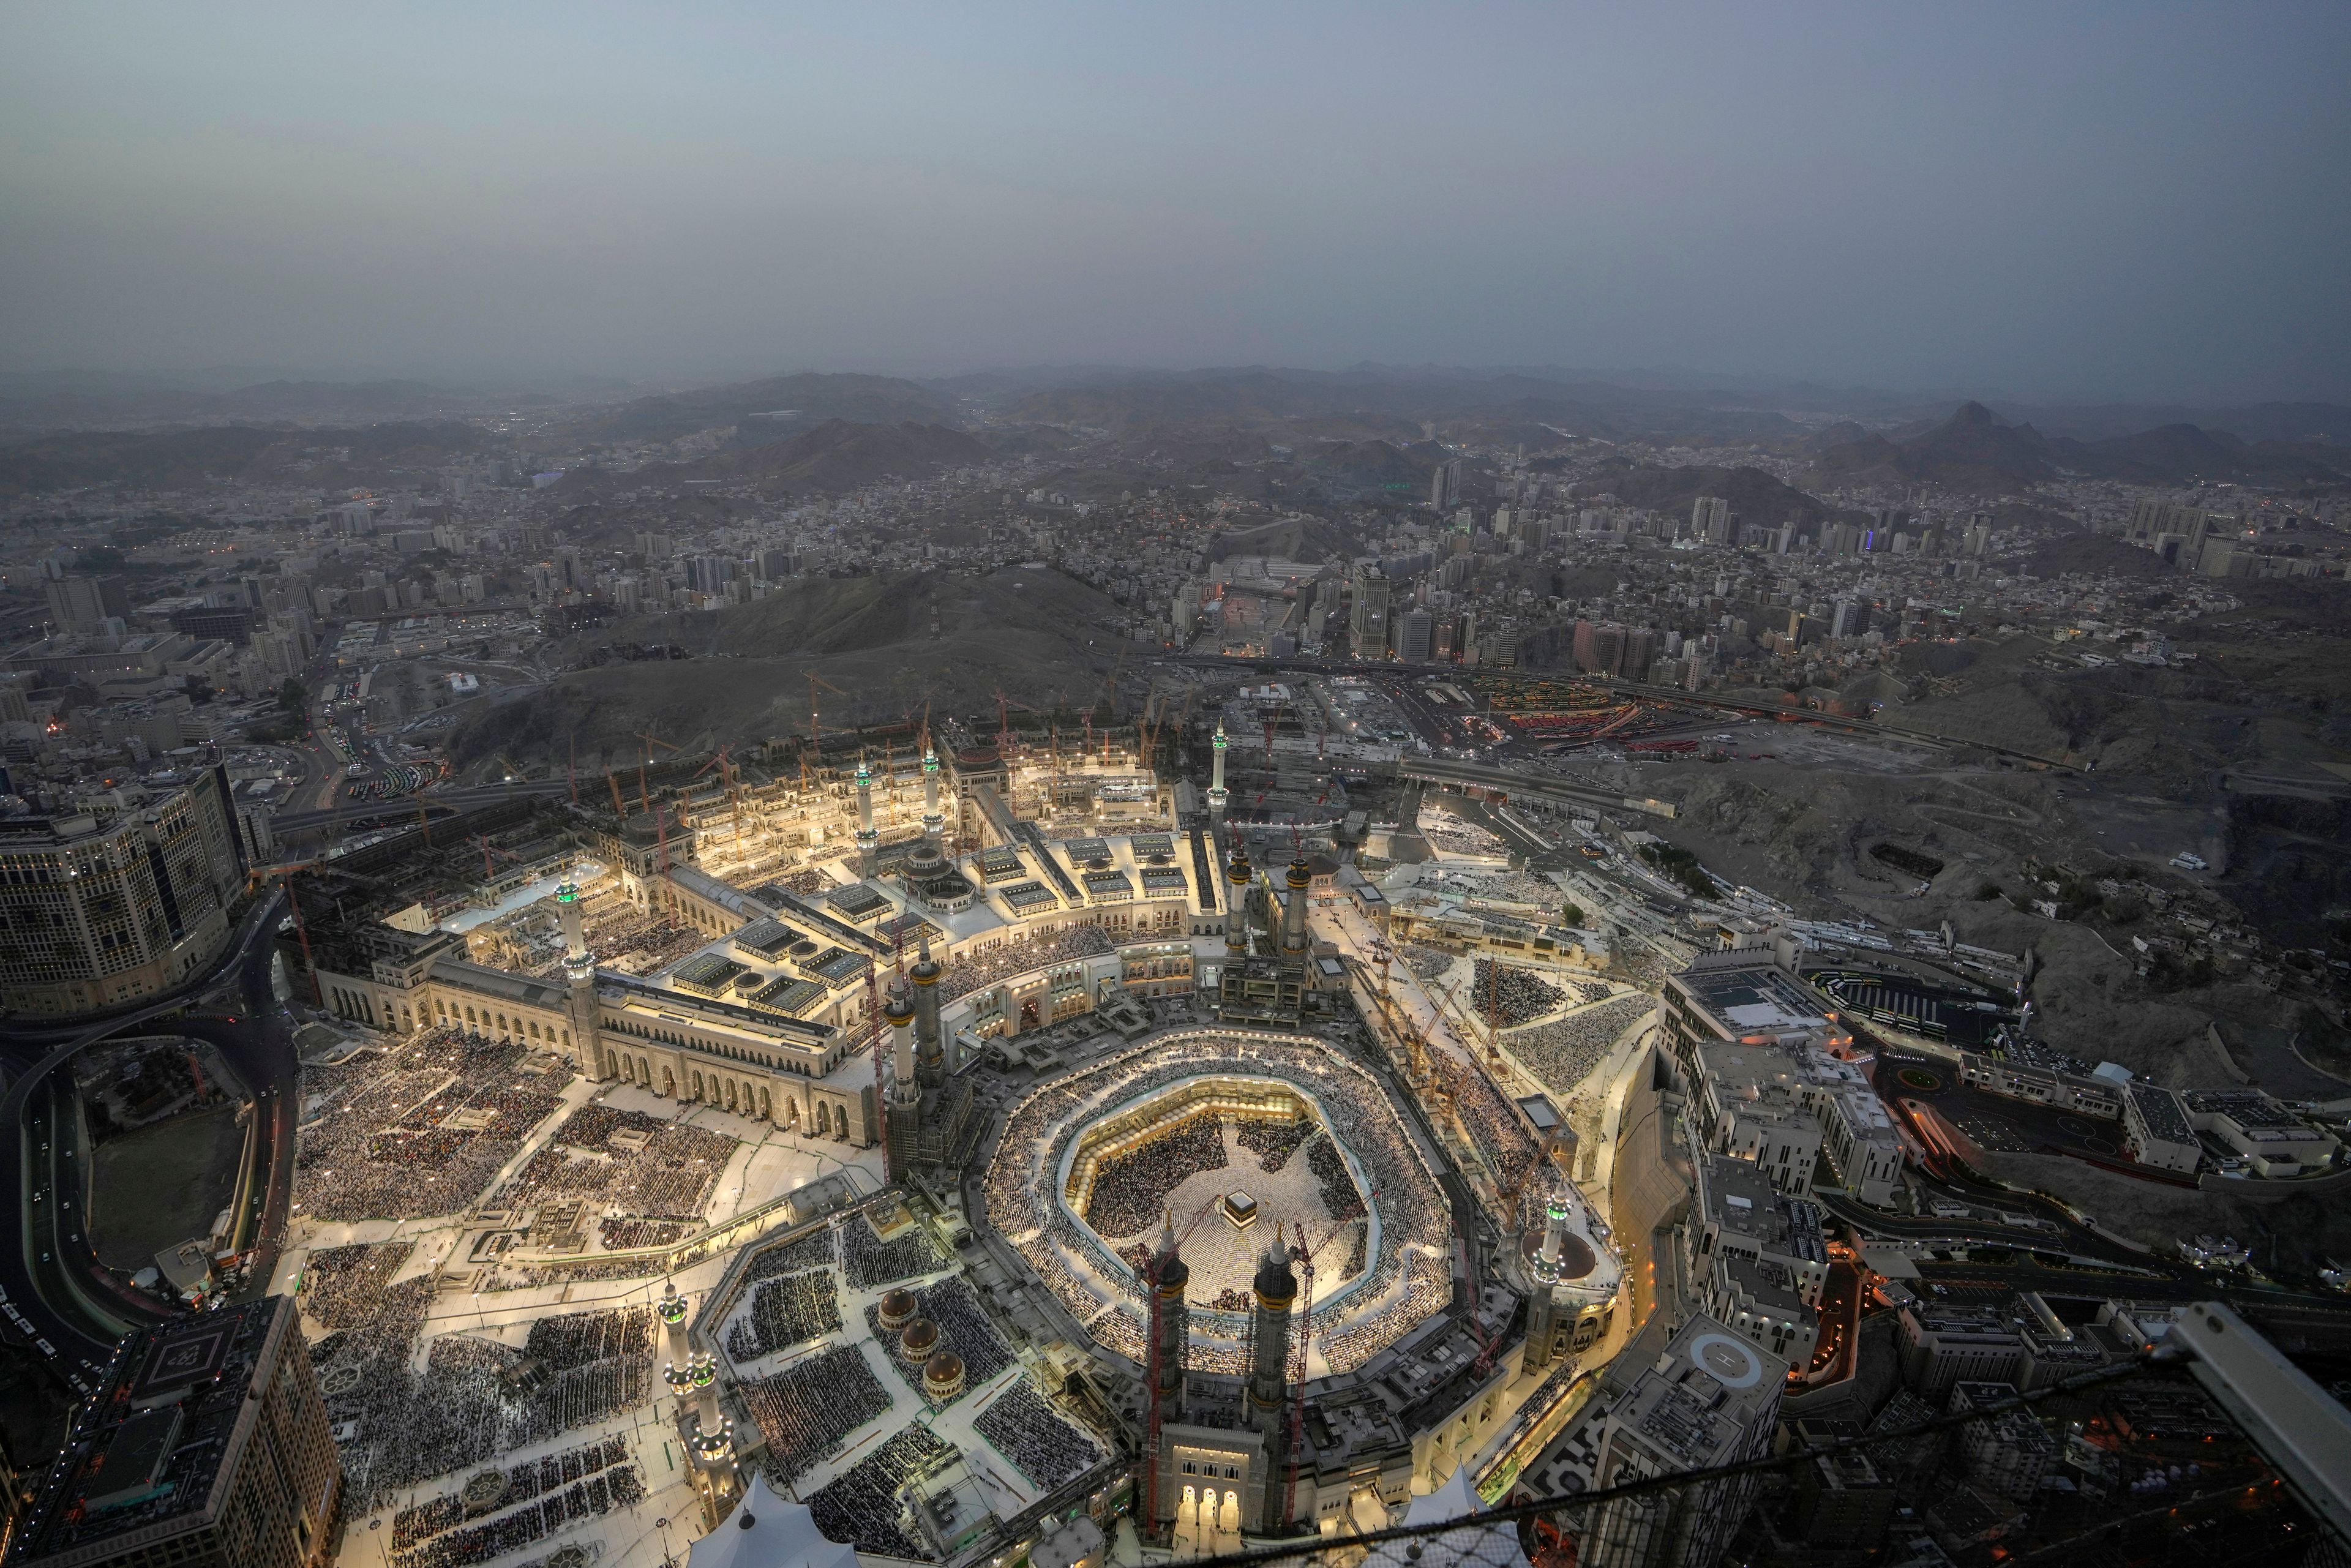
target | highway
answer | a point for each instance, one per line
(1524, 784)
(447, 803)
(72, 1306)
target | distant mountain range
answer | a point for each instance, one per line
(1977, 451)
(839, 455)
(175, 459)
(772, 409)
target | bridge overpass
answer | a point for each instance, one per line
(74, 1308)
(446, 803)
(1522, 784)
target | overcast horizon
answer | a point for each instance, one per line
(2140, 203)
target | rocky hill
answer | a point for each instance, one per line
(1036, 634)
(172, 459)
(1977, 451)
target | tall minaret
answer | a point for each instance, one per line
(1542, 1309)
(579, 976)
(868, 840)
(934, 824)
(1294, 913)
(1237, 887)
(930, 1051)
(1268, 1379)
(1217, 794)
(906, 1093)
(1167, 1275)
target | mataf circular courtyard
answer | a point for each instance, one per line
(1240, 1139)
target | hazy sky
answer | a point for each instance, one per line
(2138, 200)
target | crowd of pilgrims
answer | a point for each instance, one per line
(1409, 1279)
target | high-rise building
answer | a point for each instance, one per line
(1416, 634)
(1710, 519)
(208, 1446)
(79, 601)
(1851, 618)
(1445, 484)
(99, 910)
(1711, 1399)
(1367, 617)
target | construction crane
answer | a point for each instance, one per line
(489, 849)
(816, 732)
(644, 795)
(619, 811)
(570, 768)
(1303, 1255)
(1469, 1299)
(727, 783)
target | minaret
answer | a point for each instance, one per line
(930, 1051)
(1542, 1309)
(1167, 1277)
(934, 824)
(708, 1435)
(579, 976)
(1237, 887)
(1294, 913)
(906, 1092)
(1268, 1379)
(868, 840)
(1218, 795)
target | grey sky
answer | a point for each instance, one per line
(2140, 201)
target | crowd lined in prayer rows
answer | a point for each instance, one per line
(1019, 955)
(812, 1251)
(1043, 1447)
(868, 1261)
(785, 1312)
(1562, 1052)
(1339, 1198)
(860, 1505)
(521, 1483)
(805, 1411)
(343, 1287)
(621, 1232)
(1021, 1204)
(600, 1493)
(1508, 992)
(1426, 963)
(420, 1128)
(1129, 1191)
(660, 1170)
(475, 1399)
(1274, 1142)
(1428, 1286)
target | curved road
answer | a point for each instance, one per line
(52, 1275)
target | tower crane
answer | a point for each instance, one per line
(644, 795)
(816, 733)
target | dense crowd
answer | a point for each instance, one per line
(1019, 955)
(1036, 1441)
(1274, 1142)
(868, 1261)
(620, 1232)
(1513, 994)
(399, 1138)
(477, 1399)
(343, 1287)
(1021, 1205)
(812, 1251)
(523, 1482)
(805, 1411)
(1130, 1192)
(1562, 1052)
(1339, 1198)
(860, 1505)
(1426, 963)
(598, 1494)
(670, 1177)
(785, 1312)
